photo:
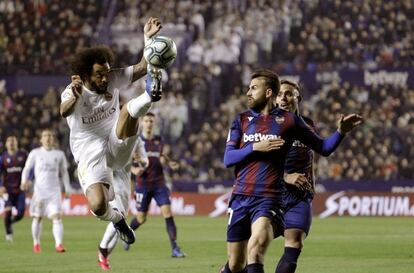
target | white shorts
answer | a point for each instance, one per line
(98, 165)
(122, 188)
(41, 207)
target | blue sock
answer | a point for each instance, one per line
(172, 231)
(134, 224)
(226, 269)
(8, 222)
(254, 268)
(288, 262)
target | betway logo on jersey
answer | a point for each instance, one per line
(368, 205)
(258, 137)
(99, 114)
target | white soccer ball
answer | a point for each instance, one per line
(160, 52)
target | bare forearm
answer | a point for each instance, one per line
(67, 107)
(140, 69)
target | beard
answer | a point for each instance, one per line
(99, 89)
(256, 105)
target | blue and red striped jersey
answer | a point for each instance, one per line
(153, 175)
(261, 173)
(300, 160)
(11, 167)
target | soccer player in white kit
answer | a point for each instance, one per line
(122, 188)
(102, 137)
(50, 168)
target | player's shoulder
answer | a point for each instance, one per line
(308, 121)
(246, 115)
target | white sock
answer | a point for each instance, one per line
(111, 215)
(36, 230)
(112, 243)
(109, 234)
(139, 106)
(58, 231)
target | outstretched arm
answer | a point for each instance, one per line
(150, 29)
(328, 145)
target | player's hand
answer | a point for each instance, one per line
(346, 124)
(2, 191)
(268, 145)
(76, 86)
(152, 27)
(299, 180)
(25, 186)
(174, 165)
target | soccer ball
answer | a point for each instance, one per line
(160, 52)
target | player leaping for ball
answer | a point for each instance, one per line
(102, 137)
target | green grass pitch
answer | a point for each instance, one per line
(335, 245)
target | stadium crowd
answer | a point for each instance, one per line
(220, 43)
(38, 36)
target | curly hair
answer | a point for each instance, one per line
(82, 63)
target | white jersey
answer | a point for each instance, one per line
(50, 168)
(95, 115)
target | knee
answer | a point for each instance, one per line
(257, 248)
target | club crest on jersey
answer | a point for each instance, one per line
(20, 158)
(279, 120)
(8, 160)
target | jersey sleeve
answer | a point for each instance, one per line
(67, 94)
(122, 77)
(28, 166)
(233, 154)
(308, 136)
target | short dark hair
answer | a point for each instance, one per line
(149, 114)
(271, 79)
(83, 61)
(295, 85)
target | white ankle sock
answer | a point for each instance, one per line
(139, 106)
(58, 231)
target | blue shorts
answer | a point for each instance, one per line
(298, 212)
(244, 210)
(17, 200)
(143, 197)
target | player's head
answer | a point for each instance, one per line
(263, 88)
(47, 139)
(148, 122)
(289, 96)
(93, 65)
(12, 144)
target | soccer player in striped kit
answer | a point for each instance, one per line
(150, 183)
(258, 143)
(299, 182)
(11, 166)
